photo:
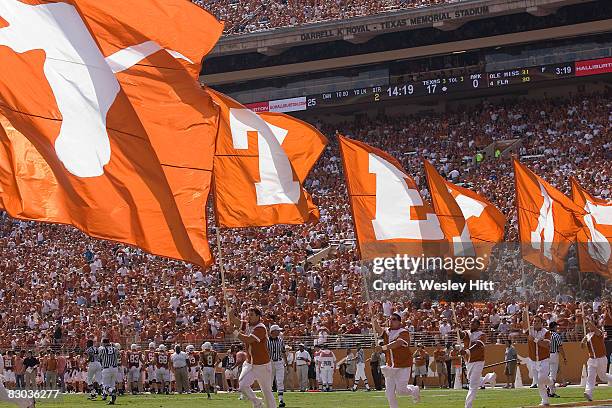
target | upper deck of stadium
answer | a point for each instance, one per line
(281, 47)
(272, 26)
(243, 17)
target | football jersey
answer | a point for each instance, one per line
(596, 343)
(192, 359)
(476, 339)
(151, 357)
(134, 359)
(327, 359)
(537, 352)
(8, 362)
(162, 359)
(229, 361)
(208, 358)
(400, 357)
(258, 350)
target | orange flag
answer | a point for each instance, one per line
(104, 93)
(389, 213)
(595, 240)
(303, 143)
(471, 223)
(256, 181)
(548, 220)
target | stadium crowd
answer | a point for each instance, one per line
(59, 287)
(250, 16)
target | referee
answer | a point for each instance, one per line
(93, 369)
(276, 348)
(108, 355)
(556, 349)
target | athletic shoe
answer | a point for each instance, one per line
(534, 386)
(281, 404)
(555, 395)
(588, 397)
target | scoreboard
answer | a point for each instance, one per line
(461, 83)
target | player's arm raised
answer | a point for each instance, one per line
(232, 318)
(376, 326)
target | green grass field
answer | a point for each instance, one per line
(497, 398)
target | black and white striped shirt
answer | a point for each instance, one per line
(276, 347)
(108, 356)
(555, 342)
(92, 354)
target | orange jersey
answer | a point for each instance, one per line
(134, 358)
(541, 350)
(258, 350)
(161, 359)
(193, 359)
(208, 358)
(420, 357)
(151, 357)
(596, 345)
(400, 357)
(475, 341)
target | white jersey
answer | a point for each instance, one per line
(327, 359)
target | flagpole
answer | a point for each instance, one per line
(456, 322)
(583, 319)
(222, 270)
(366, 291)
(219, 251)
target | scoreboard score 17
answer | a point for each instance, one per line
(454, 84)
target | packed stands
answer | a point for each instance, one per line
(250, 16)
(58, 286)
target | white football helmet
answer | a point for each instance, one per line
(118, 346)
(190, 348)
(162, 347)
(133, 347)
(206, 346)
(152, 345)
